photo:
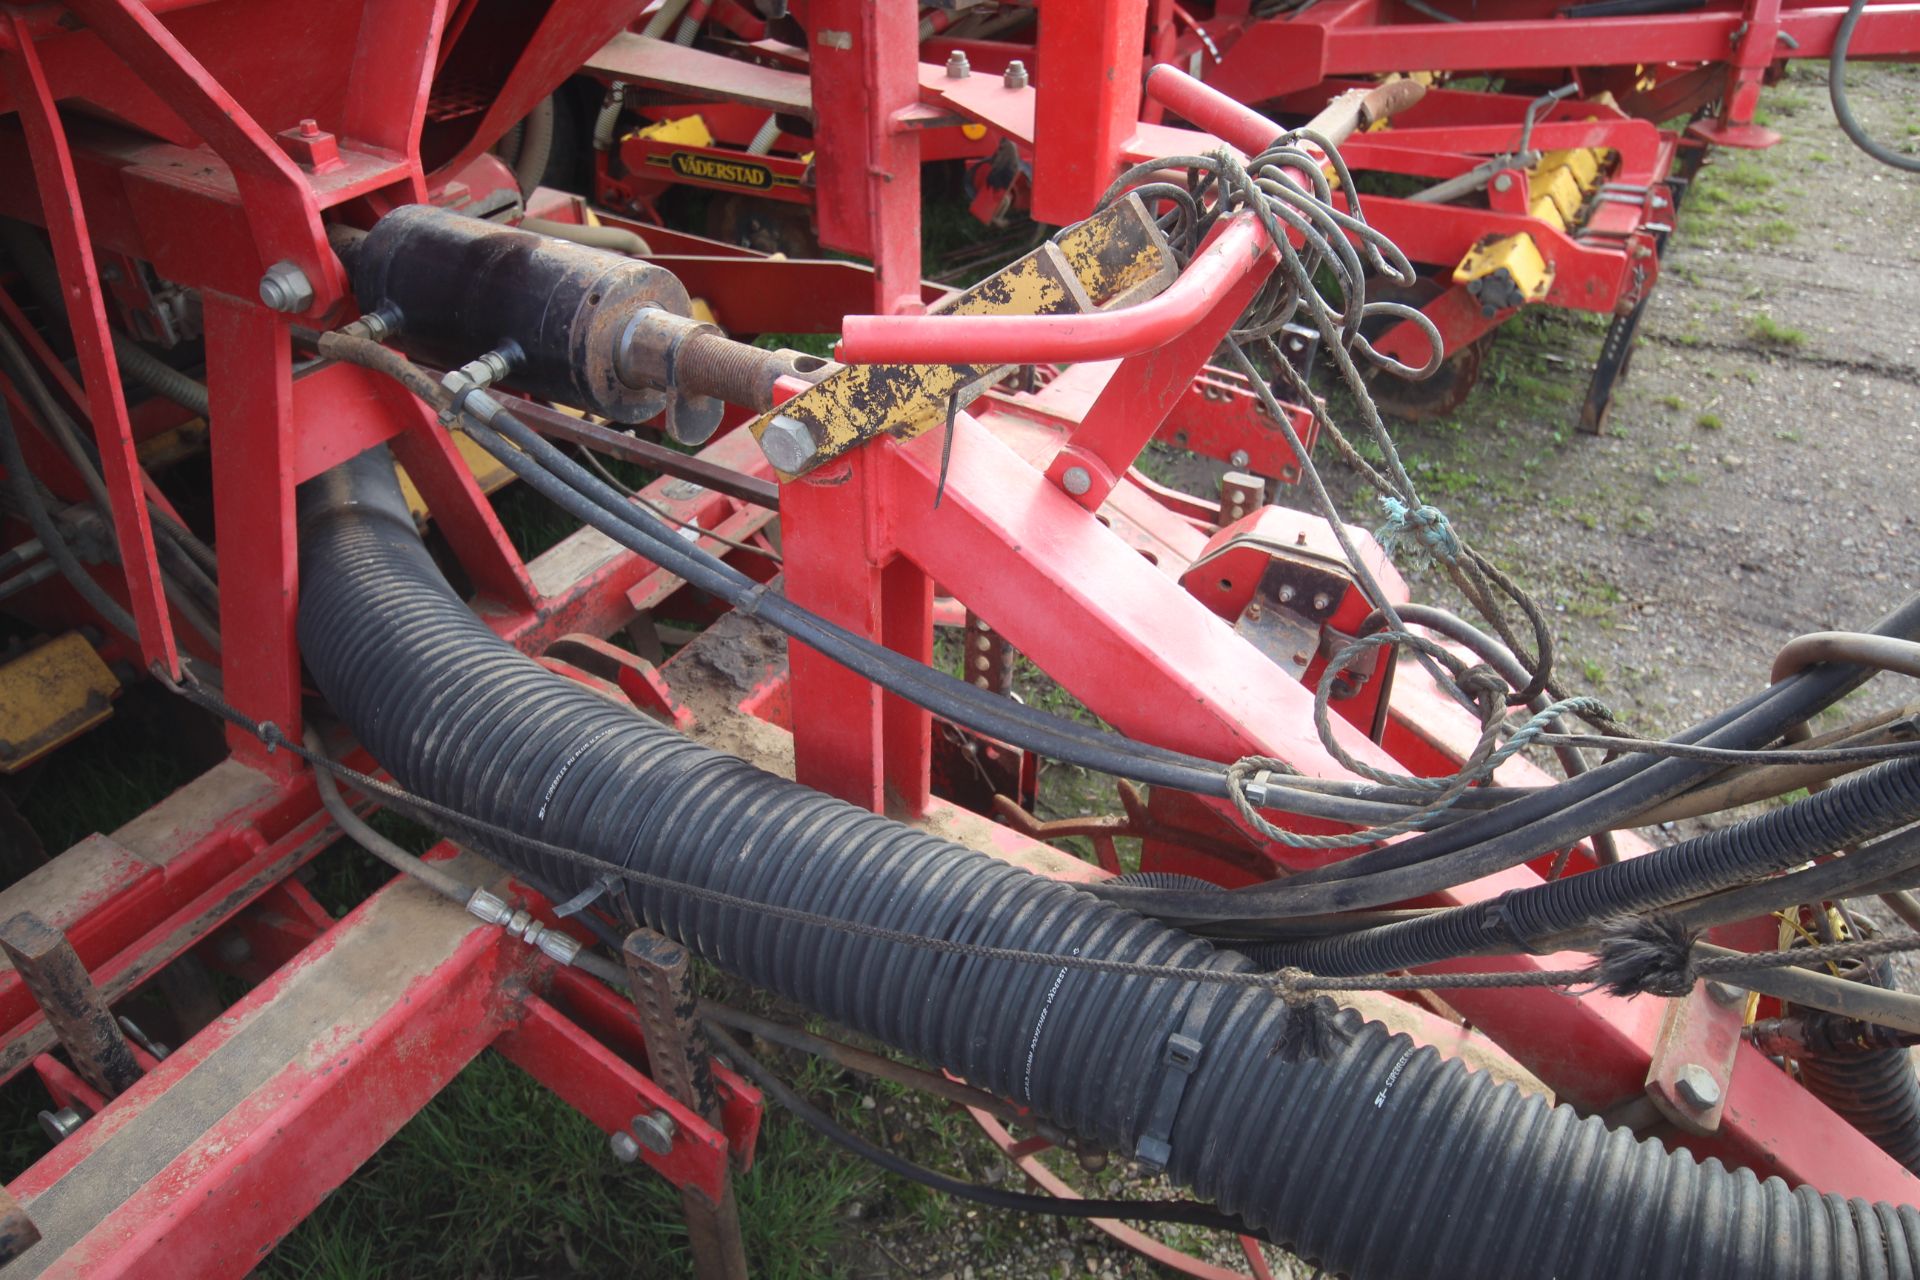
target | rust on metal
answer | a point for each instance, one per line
(559, 425)
(74, 1007)
(679, 1059)
(1114, 258)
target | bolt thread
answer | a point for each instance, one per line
(708, 364)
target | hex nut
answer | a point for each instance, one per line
(285, 287)
(1016, 76)
(957, 66)
(788, 444)
(625, 1149)
(1697, 1087)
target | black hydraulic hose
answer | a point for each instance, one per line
(1134, 1210)
(136, 362)
(1837, 90)
(51, 539)
(582, 494)
(1490, 650)
(1551, 818)
(1868, 804)
(1440, 1171)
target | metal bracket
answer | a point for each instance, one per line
(1114, 258)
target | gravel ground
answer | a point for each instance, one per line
(1756, 481)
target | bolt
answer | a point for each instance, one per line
(1253, 610)
(1076, 481)
(625, 1149)
(57, 1125)
(957, 68)
(1300, 538)
(1016, 77)
(1287, 592)
(1299, 657)
(1238, 459)
(655, 1131)
(286, 288)
(1502, 181)
(309, 128)
(788, 444)
(1697, 1087)
(1320, 602)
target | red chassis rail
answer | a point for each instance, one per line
(1089, 588)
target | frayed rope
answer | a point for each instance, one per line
(1425, 525)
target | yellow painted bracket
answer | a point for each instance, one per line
(49, 696)
(1505, 272)
(1114, 258)
(488, 472)
(686, 131)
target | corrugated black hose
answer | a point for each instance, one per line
(1378, 1160)
(1867, 804)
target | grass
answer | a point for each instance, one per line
(1709, 421)
(1763, 328)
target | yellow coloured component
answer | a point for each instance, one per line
(1557, 188)
(49, 696)
(699, 310)
(973, 132)
(488, 472)
(1583, 164)
(1117, 256)
(687, 131)
(1505, 273)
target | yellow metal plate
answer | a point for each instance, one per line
(488, 472)
(49, 696)
(1116, 257)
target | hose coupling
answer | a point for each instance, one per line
(473, 377)
(559, 947)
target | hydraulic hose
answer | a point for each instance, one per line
(1867, 804)
(27, 498)
(536, 146)
(1552, 818)
(1440, 1171)
(1837, 90)
(136, 362)
(618, 239)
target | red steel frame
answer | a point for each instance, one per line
(1087, 587)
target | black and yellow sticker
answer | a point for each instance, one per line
(723, 171)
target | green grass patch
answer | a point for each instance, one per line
(1765, 329)
(1709, 422)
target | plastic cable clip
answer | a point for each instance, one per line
(585, 898)
(1182, 1057)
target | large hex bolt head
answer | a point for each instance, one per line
(788, 444)
(286, 288)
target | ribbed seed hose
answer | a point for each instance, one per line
(1381, 1161)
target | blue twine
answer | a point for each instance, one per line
(1428, 524)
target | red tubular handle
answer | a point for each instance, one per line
(1207, 108)
(1097, 335)
(1101, 335)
